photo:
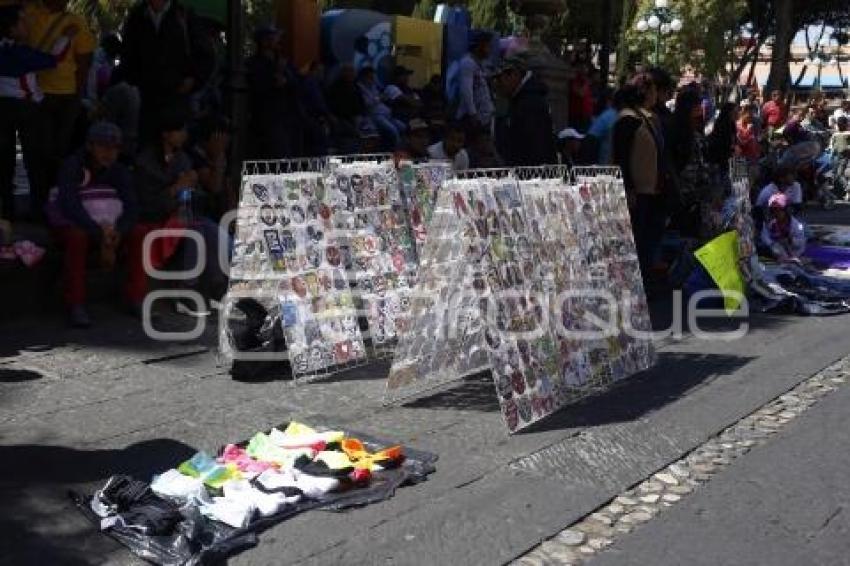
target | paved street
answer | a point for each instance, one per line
(785, 503)
(78, 406)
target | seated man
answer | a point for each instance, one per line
(783, 234)
(452, 147)
(94, 206)
(166, 185)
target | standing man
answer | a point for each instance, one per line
(64, 85)
(474, 101)
(529, 138)
(166, 55)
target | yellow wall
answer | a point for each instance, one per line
(419, 47)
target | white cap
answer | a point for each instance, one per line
(570, 134)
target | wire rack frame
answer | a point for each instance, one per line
(595, 171)
(494, 173)
(356, 157)
(283, 166)
(543, 172)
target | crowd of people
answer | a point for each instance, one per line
(126, 135)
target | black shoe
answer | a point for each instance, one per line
(78, 317)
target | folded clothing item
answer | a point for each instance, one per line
(181, 488)
(299, 435)
(239, 457)
(132, 504)
(363, 459)
(205, 468)
(242, 501)
(263, 449)
(295, 481)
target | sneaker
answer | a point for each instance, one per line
(78, 317)
(190, 308)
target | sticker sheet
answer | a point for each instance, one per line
(420, 185)
(443, 332)
(370, 222)
(285, 247)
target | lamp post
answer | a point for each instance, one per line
(661, 21)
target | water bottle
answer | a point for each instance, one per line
(185, 212)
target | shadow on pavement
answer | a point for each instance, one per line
(674, 376)
(40, 524)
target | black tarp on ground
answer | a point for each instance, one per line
(201, 541)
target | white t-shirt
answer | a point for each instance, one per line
(794, 193)
(459, 163)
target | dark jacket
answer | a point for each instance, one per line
(158, 61)
(272, 104)
(345, 100)
(529, 139)
(153, 179)
(116, 177)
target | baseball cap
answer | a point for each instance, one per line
(570, 134)
(105, 133)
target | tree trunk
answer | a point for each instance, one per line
(780, 71)
(605, 50)
(629, 11)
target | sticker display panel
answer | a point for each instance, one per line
(285, 248)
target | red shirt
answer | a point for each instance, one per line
(773, 114)
(748, 145)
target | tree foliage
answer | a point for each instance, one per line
(710, 29)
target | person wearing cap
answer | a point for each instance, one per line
(94, 206)
(167, 56)
(167, 188)
(473, 98)
(783, 235)
(401, 98)
(275, 120)
(529, 139)
(569, 146)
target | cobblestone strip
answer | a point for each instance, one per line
(582, 540)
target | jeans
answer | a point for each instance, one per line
(60, 113)
(390, 129)
(649, 219)
(21, 117)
